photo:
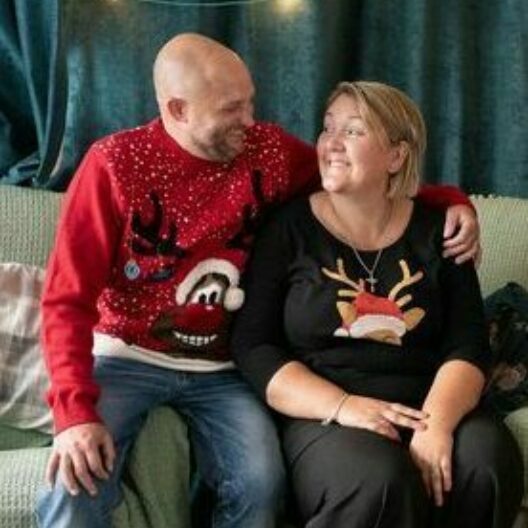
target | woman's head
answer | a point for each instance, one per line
(389, 116)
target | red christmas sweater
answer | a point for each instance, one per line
(150, 248)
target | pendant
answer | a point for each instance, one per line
(372, 282)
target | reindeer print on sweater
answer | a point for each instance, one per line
(369, 316)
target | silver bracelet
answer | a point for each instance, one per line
(333, 416)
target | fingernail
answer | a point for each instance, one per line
(74, 492)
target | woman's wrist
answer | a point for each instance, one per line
(334, 415)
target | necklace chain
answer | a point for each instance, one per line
(370, 271)
(371, 279)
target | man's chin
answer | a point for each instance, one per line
(235, 148)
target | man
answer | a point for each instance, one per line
(144, 277)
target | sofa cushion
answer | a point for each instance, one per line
(27, 218)
(517, 421)
(504, 237)
(158, 463)
(23, 377)
(20, 479)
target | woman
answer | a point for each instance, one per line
(372, 345)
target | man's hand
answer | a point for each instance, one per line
(461, 234)
(80, 453)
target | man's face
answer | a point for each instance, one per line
(218, 118)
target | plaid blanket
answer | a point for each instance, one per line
(23, 377)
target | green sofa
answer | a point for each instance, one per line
(156, 484)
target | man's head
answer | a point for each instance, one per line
(205, 96)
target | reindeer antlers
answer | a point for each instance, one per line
(341, 276)
(242, 239)
(359, 287)
(407, 280)
(150, 232)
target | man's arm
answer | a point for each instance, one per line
(461, 230)
(79, 268)
(303, 166)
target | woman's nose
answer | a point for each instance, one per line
(335, 141)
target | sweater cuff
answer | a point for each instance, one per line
(480, 359)
(261, 365)
(443, 196)
(71, 408)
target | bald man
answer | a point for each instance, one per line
(144, 279)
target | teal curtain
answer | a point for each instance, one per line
(72, 71)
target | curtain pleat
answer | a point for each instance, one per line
(72, 71)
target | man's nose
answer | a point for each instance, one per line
(248, 119)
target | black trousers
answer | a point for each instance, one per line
(354, 478)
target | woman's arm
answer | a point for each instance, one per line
(459, 381)
(298, 392)
(455, 391)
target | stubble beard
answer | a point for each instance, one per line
(218, 147)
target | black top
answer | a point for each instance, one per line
(304, 302)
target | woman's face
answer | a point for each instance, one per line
(351, 157)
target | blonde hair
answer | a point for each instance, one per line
(395, 118)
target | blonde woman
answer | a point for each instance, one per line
(371, 344)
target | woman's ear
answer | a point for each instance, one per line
(398, 156)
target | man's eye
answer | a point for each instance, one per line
(231, 109)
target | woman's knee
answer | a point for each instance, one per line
(488, 465)
(483, 444)
(366, 476)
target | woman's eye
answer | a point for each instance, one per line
(354, 132)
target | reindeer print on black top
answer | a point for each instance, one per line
(371, 316)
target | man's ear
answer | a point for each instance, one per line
(399, 154)
(178, 109)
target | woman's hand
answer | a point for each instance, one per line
(432, 451)
(380, 416)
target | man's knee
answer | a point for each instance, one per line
(259, 483)
(56, 508)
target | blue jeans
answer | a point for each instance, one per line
(234, 439)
